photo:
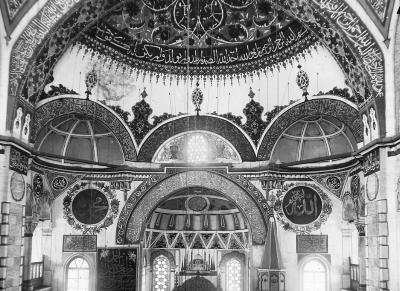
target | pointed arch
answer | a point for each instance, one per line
(151, 193)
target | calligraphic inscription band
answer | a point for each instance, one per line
(311, 244)
(79, 243)
(109, 41)
(18, 161)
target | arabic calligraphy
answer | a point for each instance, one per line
(351, 25)
(116, 269)
(302, 205)
(18, 161)
(59, 183)
(219, 56)
(79, 243)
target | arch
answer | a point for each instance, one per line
(328, 106)
(214, 124)
(208, 139)
(152, 192)
(335, 24)
(321, 260)
(65, 105)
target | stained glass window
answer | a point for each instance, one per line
(314, 276)
(78, 275)
(161, 274)
(197, 149)
(234, 275)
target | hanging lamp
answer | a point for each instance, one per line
(197, 98)
(303, 81)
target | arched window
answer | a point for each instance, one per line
(161, 272)
(234, 275)
(314, 276)
(78, 275)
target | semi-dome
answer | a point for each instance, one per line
(197, 209)
(80, 138)
(313, 137)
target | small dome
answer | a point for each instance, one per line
(80, 138)
(313, 137)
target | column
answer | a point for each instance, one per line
(362, 258)
(30, 226)
(346, 251)
(46, 250)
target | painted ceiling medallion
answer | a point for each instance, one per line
(303, 208)
(197, 203)
(198, 23)
(89, 207)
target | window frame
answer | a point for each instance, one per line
(240, 271)
(91, 269)
(241, 258)
(323, 261)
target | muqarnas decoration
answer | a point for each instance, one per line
(90, 207)
(303, 208)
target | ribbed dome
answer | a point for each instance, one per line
(313, 137)
(79, 138)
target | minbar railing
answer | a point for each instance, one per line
(37, 274)
(354, 276)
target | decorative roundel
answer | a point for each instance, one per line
(17, 186)
(38, 184)
(302, 205)
(89, 207)
(197, 203)
(333, 183)
(59, 183)
(372, 186)
(303, 208)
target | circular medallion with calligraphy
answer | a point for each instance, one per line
(302, 205)
(17, 186)
(197, 203)
(90, 206)
(372, 186)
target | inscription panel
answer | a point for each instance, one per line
(79, 243)
(311, 243)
